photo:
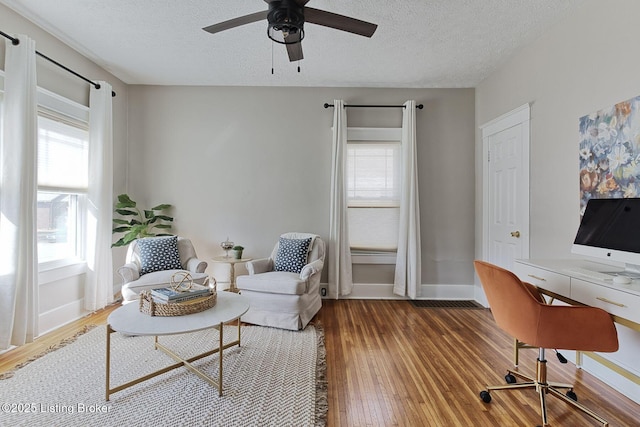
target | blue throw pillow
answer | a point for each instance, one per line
(292, 254)
(158, 253)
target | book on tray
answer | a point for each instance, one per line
(170, 295)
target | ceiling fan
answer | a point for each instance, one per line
(286, 19)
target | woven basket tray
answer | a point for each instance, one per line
(153, 308)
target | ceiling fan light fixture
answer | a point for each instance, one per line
(286, 22)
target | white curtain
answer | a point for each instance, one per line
(18, 183)
(340, 277)
(98, 291)
(408, 268)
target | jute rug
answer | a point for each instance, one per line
(276, 378)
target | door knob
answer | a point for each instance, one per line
(515, 234)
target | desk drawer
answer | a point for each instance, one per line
(544, 279)
(616, 302)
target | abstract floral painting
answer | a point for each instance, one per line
(610, 153)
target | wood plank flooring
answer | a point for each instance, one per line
(392, 364)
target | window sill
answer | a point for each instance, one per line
(362, 257)
(52, 271)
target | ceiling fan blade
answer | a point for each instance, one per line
(295, 51)
(339, 22)
(236, 22)
(300, 2)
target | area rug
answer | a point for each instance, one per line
(276, 378)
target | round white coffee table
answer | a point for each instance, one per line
(130, 321)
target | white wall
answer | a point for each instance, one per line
(251, 163)
(586, 62)
(62, 292)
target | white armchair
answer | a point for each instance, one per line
(284, 289)
(135, 280)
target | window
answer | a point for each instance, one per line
(62, 185)
(63, 143)
(373, 189)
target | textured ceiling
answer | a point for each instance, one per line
(418, 44)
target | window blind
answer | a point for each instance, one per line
(373, 193)
(63, 152)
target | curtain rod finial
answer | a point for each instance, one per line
(326, 105)
(419, 106)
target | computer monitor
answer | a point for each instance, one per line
(610, 230)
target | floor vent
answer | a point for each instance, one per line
(438, 303)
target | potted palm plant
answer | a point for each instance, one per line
(136, 223)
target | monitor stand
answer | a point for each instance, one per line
(632, 271)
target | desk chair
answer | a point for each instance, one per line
(521, 311)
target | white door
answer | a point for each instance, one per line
(506, 188)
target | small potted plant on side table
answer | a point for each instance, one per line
(237, 251)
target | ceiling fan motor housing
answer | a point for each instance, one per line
(286, 21)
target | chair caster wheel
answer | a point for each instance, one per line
(510, 379)
(572, 395)
(485, 396)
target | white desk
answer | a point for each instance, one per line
(555, 279)
(130, 321)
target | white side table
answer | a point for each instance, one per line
(232, 270)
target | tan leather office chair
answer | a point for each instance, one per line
(520, 311)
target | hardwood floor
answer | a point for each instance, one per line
(10, 359)
(392, 364)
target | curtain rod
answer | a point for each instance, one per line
(419, 106)
(16, 42)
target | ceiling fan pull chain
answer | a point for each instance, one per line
(298, 65)
(271, 57)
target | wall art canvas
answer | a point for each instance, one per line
(610, 152)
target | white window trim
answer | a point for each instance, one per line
(374, 134)
(372, 257)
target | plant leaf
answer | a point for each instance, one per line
(120, 221)
(163, 234)
(121, 229)
(138, 228)
(129, 237)
(164, 217)
(126, 212)
(165, 226)
(161, 207)
(124, 201)
(148, 214)
(120, 242)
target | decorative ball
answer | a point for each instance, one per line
(181, 281)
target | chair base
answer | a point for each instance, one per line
(543, 388)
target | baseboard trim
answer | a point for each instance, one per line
(385, 291)
(60, 316)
